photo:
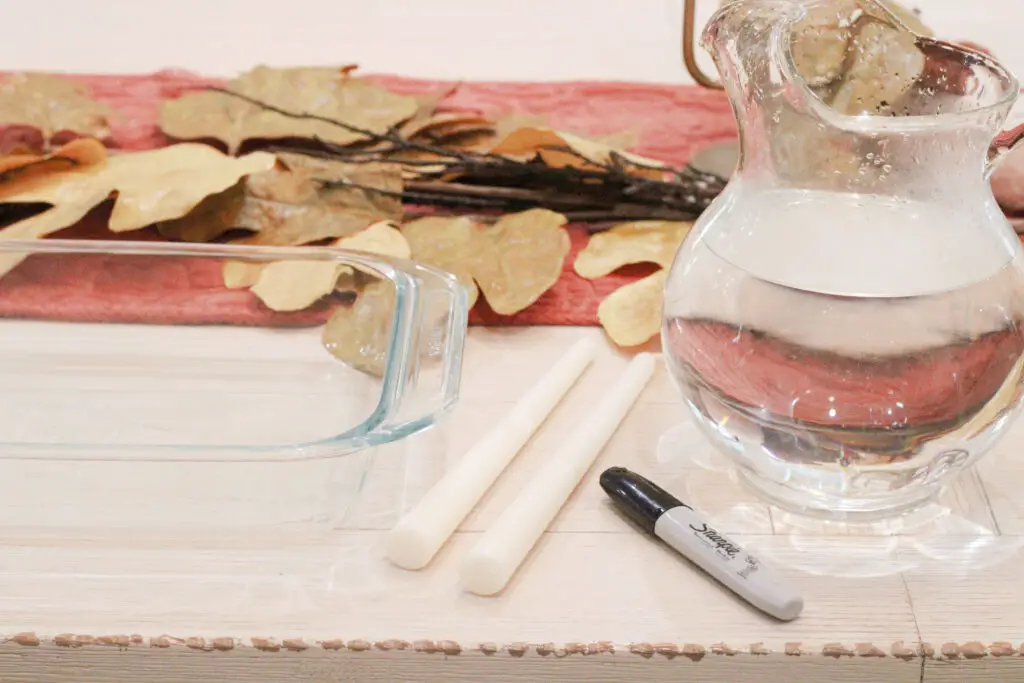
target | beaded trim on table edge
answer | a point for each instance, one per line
(898, 650)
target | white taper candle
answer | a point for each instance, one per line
(417, 537)
(494, 559)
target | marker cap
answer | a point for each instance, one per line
(640, 499)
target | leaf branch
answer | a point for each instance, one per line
(453, 178)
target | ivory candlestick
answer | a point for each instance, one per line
(418, 535)
(499, 552)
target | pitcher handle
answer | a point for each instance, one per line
(948, 67)
(690, 47)
(1001, 145)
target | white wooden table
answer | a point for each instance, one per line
(935, 597)
(938, 592)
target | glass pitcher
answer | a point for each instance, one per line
(844, 321)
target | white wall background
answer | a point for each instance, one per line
(470, 39)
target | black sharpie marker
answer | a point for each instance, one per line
(679, 525)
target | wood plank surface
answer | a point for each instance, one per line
(595, 600)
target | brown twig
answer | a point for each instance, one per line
(598, 221)
(510, 193)
(594, 190)
(370, 136)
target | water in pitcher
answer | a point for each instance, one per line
(845, 321)
(848, 346)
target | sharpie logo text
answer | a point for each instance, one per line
(712, 538)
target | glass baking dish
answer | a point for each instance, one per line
(137, 390)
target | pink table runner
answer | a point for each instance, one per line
(670, 122)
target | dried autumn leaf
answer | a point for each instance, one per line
(327, 92)
(484, 138)
(382, 201)
(426, 108)
(20, 170)
(819, 45)
(359, 334)
(209, 219)
(445, 124)
(241, 274)
(623, 139)
(426, 105)
(910, 18)
(506, 125)
(629, 243)
(285, 208)
(53, 105)
(293, 285)
(292, 206)
(469, 140)
(856, 59)
(513, 262)
(312, 201)
(558, 150)
(455, 131)
(80, 152)
(149, 187)
(449, 243)
(885, 63)
(383, 239)
(522, 259)
(631, 315)
(297, 204)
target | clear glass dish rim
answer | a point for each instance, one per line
(398, 270)
(247, 252)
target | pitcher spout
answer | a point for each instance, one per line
(742, 38)
(858, 89)
(775, 57)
